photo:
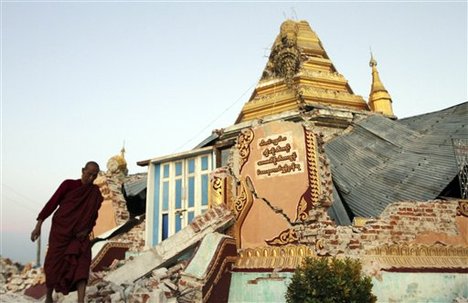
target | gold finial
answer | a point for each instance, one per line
(372, 61)
(122, 151)
(379, 98)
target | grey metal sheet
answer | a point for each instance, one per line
(337, 211)
(383, 161)
(133, 188)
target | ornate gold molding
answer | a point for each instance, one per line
(242, 200)
(311, 196)
(241, 207)
(287, 257)
(330, 76)
(419, 256)
(288, 236)
(331, 95)
(271, 97)
(243, 145)
(217, 191)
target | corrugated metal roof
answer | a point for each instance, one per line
(135, 187)
(383, 161)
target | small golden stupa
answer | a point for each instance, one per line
(117, 165)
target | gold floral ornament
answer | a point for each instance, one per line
(243, 145)
(288, 236)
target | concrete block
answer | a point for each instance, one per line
(170, 249)
(134, 269)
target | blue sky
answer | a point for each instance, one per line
(81, 77)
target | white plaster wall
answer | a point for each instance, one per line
(399, 287)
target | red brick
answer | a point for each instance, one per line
(195, 226)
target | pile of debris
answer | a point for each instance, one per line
(164, 273)
(111, 189)
(157, 286)
(16, 277)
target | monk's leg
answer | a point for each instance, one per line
(81, 289)
(49, 295)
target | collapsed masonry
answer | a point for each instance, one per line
(265, 231)
(193, 265)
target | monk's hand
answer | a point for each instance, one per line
(36, 231)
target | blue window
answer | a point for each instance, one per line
(178, 168)
(165, 205)
(204, 163)
(165, 226)
(178, 193)
(191, 191)
(191, 166)
(157, 201)
(166, 171)
(178, 222)
(204, 189)
(190, 216)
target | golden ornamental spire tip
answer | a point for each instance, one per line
(372, 61)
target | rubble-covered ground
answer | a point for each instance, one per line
(161, 285)
(15, 277)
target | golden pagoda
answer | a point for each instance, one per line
(298, 74)
(379, 98)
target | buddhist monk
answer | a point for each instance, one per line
(68, 257)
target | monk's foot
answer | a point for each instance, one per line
(49, 300)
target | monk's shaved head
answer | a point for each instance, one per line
(91, 163)
(90, 172)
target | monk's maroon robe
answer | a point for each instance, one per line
(68, 257)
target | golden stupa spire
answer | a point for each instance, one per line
(299, 74)
(379, 98)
